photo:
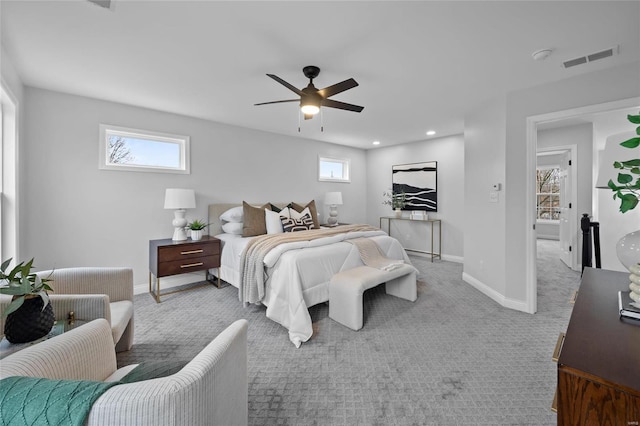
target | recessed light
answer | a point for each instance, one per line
(431, 132)
(376, 142)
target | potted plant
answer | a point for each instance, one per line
(29, 315)
(397, 201)
(196, 227)
(627, 190)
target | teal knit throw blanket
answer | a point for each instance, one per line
(32, 401)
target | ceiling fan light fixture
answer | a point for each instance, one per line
(309, 109)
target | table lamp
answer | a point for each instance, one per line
(333, 199)
(179, 199)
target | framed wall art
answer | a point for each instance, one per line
(419, 182)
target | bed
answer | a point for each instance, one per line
(296, 275)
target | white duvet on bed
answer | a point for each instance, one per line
(298, 274)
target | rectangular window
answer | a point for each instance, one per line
(548, 193)
(143, 151)
(333, 169)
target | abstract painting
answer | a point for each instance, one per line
(419, 183)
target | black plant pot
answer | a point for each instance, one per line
(29, 322)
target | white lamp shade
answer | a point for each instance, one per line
(333, 198)
(613, 152)
(177, 198)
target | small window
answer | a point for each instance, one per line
(333, 169)
(143, 151)
(548, 193)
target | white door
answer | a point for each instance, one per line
(566, 210)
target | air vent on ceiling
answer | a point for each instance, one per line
(107, 4)
(591, 57)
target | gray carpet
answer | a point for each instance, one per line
(454, 357)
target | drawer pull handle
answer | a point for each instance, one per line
(191, 265)
(574, 297)
(558, 349)
(192, 251)
(554, 404)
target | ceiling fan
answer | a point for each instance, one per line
(311, 99)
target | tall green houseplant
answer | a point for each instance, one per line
(627, 189)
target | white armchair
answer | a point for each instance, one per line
(116, 283)
(212, 389)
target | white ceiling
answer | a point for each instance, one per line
(420, 64)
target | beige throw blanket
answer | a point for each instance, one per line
(372, 256)
(252, 274)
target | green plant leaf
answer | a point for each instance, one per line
(5, 264)
(631, 163)
(624, 178)
(612, 185)
(13, 306)
(634, 118)
(631, 143)
(12, 290)
(635, 170)
(629, 202)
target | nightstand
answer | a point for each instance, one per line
(168, 257)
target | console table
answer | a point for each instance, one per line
(599, 357)
(432, 222)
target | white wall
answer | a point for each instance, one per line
(587, 89)
(449, 153)
(484, 233)
(77, 215)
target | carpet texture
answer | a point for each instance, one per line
(453, 357)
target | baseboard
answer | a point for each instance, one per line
(502, 300)
(169, 282)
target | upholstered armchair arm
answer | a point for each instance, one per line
(86, 307)
(211, 389)
(117, 283)
(84, 353)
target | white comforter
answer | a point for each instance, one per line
(298, 276)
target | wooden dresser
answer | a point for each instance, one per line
(599, 363)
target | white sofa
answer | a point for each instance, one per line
(212, 389)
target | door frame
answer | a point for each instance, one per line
(530, 190)
(573, 217)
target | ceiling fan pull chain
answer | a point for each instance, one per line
(321, 121)
(299, 120)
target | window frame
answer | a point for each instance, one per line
(550, 194)
(107, 130)
(346, 169)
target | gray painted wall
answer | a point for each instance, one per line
(449, 153)
(77, 215)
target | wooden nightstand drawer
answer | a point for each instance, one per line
(183, 266)
(190, 251)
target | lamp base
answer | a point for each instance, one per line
(332, 220)
(179, 223)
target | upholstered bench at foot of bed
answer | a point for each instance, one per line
(347, 287)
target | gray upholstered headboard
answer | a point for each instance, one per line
(215, 210)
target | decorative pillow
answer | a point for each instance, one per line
(312, 209)
(254, 222)
(278, 209)
(298, 215)
(232, 228)
(234, 214)
(293, 225)
(272, 219)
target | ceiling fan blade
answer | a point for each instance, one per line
(291, 87)
(277, 102)
(308, 116)
(341, 105)
(338, 88)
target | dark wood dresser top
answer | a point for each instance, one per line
(597, 341)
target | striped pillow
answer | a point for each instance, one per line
(294, 225)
